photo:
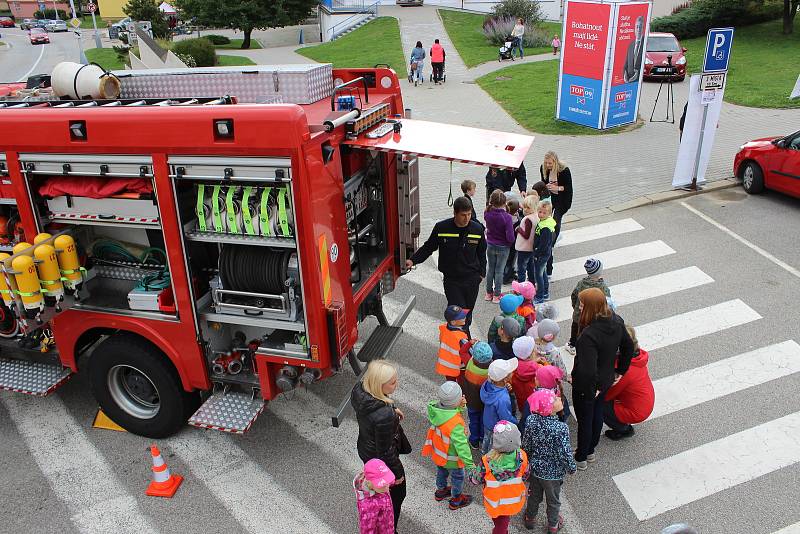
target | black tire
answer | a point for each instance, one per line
(138, 388)
(752, 178)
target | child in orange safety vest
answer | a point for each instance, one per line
(451, 337)
(503, 472)
(446, 444)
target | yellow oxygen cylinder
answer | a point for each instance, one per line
(19, 247)
(8, 297)
(49, 273)
(68, 261)
(44, 236)
(28, 285)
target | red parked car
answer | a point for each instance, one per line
(770, 162)
(656, 65)
(6, 22)
(39, 36)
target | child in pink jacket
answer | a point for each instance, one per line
(375, 513)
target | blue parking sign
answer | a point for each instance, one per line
(718, 49)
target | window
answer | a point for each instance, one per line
(663, 44)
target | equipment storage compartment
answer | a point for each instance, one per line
(241, 251)
(110, 202)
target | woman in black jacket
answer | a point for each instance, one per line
(558, 178)
(603, 354)
(379, 432)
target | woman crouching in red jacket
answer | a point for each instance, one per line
(629, 401)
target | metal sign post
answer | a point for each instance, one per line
(92, 8)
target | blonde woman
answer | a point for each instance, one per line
(558, 178)
(379, 432)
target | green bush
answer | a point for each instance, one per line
(527, 10)
(200, 49)
(498, 31)
(51, 14)
(701, 15)
(217, 39)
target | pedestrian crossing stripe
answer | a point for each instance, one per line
(612, 258)
(597, 231)
(790, 529)
(696, 473)
(731, 375)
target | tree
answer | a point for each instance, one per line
(247, 15)
(790, 8)
(148, 10)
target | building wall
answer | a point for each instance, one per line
(112, 9)
(22, 9)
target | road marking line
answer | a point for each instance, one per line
(76, 470)
(694, 324)
(644, 289)
(770, 257)
(702, 384)
(252, 496)
(612, 258)
(597, 231)
(710, 468)
(790, 529)
(36, 64)
(686, 326)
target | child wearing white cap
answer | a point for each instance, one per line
(446, 444)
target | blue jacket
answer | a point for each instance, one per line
(496, 405)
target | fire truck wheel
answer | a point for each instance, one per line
(137, 387)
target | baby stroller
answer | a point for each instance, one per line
(444, 74)
(411, 73)
(505, 50)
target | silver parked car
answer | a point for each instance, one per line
(56, 26)
(405, 3)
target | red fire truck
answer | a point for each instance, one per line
(198, 256)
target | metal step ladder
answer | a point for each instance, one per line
(32, 378)
(229, 411)
(52, 102)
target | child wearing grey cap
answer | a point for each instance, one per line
(593, 278)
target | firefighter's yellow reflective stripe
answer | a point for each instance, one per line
(474, 236)
(447, 235)
(283, 219)
(448, 364)
(503, 502)
(323, 265)
(247, 217)
(230, 211)
(439, 453)
(266, 229)
(215, 212)
(199, 208)
(448, 348)
(499, 483)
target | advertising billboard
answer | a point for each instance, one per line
(583, 57)
(628, 51)
(602, 62)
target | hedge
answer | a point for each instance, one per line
(701, 15)
(217, 39)
(200, 49)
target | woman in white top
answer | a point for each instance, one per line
(517, 34)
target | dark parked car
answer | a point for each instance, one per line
(656, 65)
(770, 162)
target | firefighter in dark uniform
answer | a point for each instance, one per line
(462, 256)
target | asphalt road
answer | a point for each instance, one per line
(292, 471)
(20, 58)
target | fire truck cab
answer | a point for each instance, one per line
(197, 256)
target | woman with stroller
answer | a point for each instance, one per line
(517, 35)
(417, 62)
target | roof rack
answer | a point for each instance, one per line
(130, 102)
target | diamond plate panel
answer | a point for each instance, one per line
(229, 412)
(32, 378)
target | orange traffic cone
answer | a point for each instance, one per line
(164, 484)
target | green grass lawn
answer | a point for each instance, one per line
(230, 61)
(105, 57)
(465, 31)
(376, 42)
(528, 93)
(236, 44)
(86, 23)
(764, 65)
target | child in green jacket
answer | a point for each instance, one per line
(594, 278)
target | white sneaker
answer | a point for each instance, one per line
(582, 466)
(591, 458)
(570, 349)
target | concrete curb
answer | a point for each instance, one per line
(647, 200)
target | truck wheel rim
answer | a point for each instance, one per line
(133, 391)
(747, 178)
